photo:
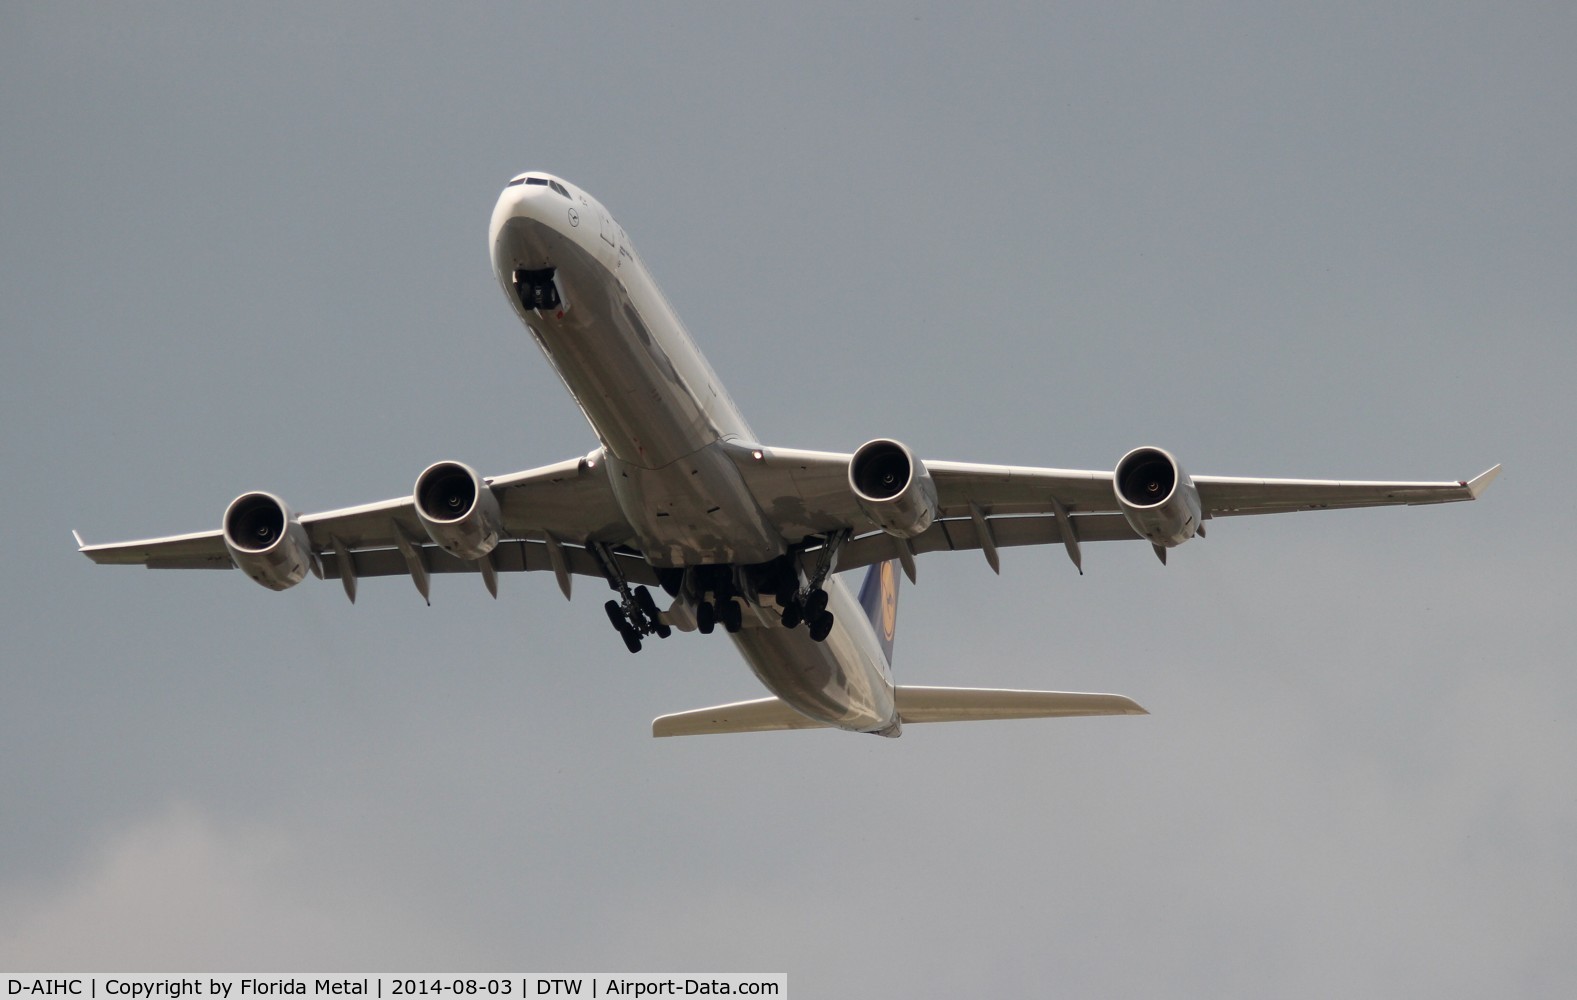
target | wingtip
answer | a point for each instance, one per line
(1479, 483)
(81, 545)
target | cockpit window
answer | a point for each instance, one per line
(543, 181)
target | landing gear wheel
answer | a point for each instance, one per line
(616, 616)
(632, 642)
(815, 604)
(643, 600)
(792, 614)
(705, 617)
(664, 630)
(822, 626)
(731, 615)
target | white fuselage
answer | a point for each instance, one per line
(665, 421)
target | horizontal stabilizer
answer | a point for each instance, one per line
(915, 704)
(760, 716)
(948, 704)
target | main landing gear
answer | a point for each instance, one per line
(809, 609)
(721, 610)
(718, 594)
(810, 605)
(634, 615)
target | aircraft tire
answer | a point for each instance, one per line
(643, 600)
(822, 626)
(705, 617)
(731, 615)
(815, 604)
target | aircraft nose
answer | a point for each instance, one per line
(518, 197)
(534, 215)
(540, 199)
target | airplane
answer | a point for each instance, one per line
(681, 496)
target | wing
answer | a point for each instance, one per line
(1225, 496)
(551, 517)
(988, 507)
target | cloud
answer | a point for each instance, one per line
(178, 891)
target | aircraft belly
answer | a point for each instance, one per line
(844, 681)
(695, 511)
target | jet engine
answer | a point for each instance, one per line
(265, 540)
(893, 488)
(458, 510)
(1157, 497)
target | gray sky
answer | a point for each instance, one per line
(245, 248)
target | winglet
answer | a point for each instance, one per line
(1479, 483)
(80, 543)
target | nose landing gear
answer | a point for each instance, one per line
(539, 290)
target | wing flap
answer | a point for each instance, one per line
(508, 557)
(962, 534)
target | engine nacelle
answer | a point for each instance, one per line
(458, 510)
(1157, 497)
(265, 540)
(893, 488)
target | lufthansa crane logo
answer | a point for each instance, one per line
(889, 601)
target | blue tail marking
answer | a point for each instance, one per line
(879, 598)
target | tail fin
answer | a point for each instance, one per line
(879, 598)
